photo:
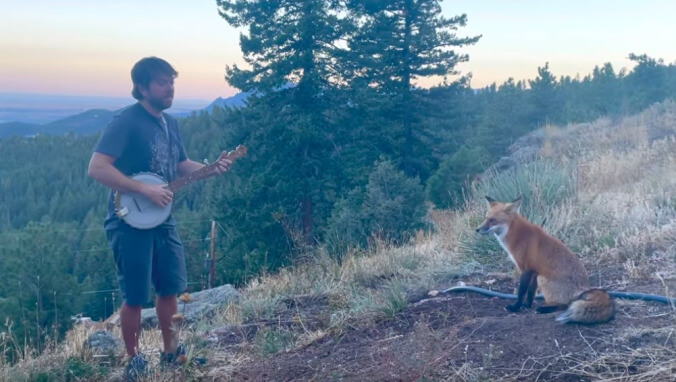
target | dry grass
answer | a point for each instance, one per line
(623, 214)
(627, 362)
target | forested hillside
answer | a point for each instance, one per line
(353, 152)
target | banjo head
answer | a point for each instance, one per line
(139, 211)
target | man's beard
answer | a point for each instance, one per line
(160, 104)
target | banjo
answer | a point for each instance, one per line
(139, 211)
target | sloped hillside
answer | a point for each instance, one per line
(607, 189)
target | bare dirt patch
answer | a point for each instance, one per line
(467, 337)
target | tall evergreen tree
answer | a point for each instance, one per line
(604, 89)
(291, 48)
(648, 82)
(397, 43)
(545, 97)
(288, 43)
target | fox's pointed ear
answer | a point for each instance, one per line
(491, 201)
(515, 205)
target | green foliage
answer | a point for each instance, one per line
(542, 184)
(44, 177)
(271, 341)
(73, 370)
(283, 189)
(391, 208)
(397, 42)
(394, 44)
(394, 204)
(346, 227)
(545, 97)
(447, 187)
(39, 280)
(649, 82)
(292, 49)
(287, 42)
(79, 370)
(394, 295)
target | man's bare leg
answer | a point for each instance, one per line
(166, 307)
(130, 323)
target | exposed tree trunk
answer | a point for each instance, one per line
(407, 154)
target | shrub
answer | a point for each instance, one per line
(394, 204)
(391, 208)
(446, 187)
(543, 184)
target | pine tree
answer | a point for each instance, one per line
(648, 82)
(396, 44)
(291, 48)
(545, 97)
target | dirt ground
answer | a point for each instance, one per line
(463, 337)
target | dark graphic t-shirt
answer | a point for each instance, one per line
(140, 143)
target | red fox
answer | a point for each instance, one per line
(546, 262)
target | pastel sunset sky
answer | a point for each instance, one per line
(87, 47)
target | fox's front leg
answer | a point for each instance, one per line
(530, 294)
(527, 286)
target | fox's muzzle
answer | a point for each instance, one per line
(482, 229)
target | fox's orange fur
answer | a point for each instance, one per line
(546, 262)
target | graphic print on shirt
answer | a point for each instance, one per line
(164, 157)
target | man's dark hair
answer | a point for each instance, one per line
(145, 70)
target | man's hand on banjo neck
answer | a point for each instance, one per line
(162, 196)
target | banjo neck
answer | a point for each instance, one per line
(205, 171)
(183, 181)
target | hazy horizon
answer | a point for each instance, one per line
(44, 108)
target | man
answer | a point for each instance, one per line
(141, 138)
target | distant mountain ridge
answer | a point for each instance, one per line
(238, 100)
(94, 120)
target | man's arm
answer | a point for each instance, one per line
(101, 169)
(187, 167)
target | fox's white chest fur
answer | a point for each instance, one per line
(501, 239)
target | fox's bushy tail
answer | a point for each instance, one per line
(594, 306)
